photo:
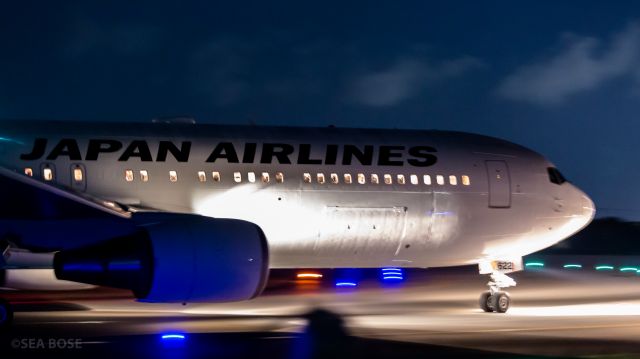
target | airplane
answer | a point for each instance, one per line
(182, 212)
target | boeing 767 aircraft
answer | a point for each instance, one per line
(191, 213)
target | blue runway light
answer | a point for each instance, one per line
(173, 341)
(628, 269)
(347, 277)
(173, 337)
(392, 274)
(572, 266)
(346, 284)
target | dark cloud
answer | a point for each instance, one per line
(404, 80)
(582, 64)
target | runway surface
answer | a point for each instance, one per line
(561, 313)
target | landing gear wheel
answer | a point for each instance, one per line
(495, 300)
(6, 314)
(501, 301)
(486, 302)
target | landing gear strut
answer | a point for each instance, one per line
(6, 314)
(495, 300)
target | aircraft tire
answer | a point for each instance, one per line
(502, 300)
(486, 302)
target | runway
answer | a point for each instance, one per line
(560, 313)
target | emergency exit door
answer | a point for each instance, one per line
(499, 184)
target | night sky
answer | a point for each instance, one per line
(560, 77)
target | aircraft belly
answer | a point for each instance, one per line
(347, 231)
(361, 229)
(353, 229)
(322, 228)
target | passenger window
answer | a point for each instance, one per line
(237, 177)
(128, 175)
(466, 181)
(306, 177)
(401, 179)
(28, 171)
(347, 178)
(265, 177)
(388, 179)
(374, 179)
(453, 180)
(77, 174)
(47, 174)
(334, 178)
(279, 177)
(426, 179)
(440, 179)
(414, 179)
(361, 178)
(320, 177)
(202, 177)
(144, 176)
(173, 176)
(251, 176)
(215, 176)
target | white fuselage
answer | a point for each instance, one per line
(482, 199)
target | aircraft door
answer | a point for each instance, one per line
(499, 184)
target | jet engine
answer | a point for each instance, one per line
(181, 258)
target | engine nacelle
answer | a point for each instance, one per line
(186, 258)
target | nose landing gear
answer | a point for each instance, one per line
(496, 300)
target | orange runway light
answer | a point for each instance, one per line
(308, 275)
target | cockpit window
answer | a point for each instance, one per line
(555, 176)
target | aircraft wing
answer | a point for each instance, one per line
(43, 217)
(159, 256)
(28, 198)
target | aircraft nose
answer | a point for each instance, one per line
(586, 207)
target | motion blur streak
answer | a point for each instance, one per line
(580, 310)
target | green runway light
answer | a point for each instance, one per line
(572, 266)
(534, 264)
(628, 269)
(604, 267)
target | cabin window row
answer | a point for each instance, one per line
(48, 174)
(264, 177)
(386, 178)
(202, 176)
(320, 178)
